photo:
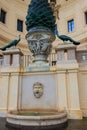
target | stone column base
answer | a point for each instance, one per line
(38, 66)
(75, 114)
(3, 112)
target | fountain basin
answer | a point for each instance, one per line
(36, 118)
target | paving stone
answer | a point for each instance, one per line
(72, 125)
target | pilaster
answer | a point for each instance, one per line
(74, 110)
(4, 94)
(61, 89)
(10, 84)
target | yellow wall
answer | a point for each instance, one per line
(69, 9)
(73, 9)
(15, 10)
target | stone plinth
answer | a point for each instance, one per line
(66, 53)
(12, 57)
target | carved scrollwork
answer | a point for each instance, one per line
(34, 46)
(42, 46)
(39, 41)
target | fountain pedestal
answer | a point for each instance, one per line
(38, 87)
(38, 102)
(39, 42)
(40, 120)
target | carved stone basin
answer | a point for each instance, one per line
(37, 118)
(39, 41)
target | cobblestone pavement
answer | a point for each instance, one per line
(72, 125)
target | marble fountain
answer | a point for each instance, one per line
(38, 101)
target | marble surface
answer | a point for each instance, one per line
(49, 98)
(72, 125)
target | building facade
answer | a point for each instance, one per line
(72, 20)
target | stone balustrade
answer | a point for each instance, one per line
(63, 55)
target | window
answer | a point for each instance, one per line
(19, 25)
(53, 1)
(3, 16)
(86, 17)
(71, 26)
